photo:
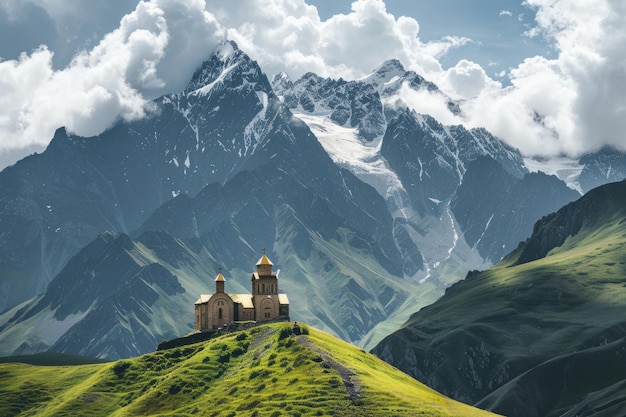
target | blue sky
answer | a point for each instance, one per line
(497, 28)
(546, 76)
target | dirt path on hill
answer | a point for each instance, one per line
(350, 380)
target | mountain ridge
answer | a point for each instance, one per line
(416, 165)
(523, 327)
(287, 183)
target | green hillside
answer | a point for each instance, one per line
(264, 371)
(538, 338)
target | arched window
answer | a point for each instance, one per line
(219, 313)
(263, 288)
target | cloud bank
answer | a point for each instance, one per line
(570, 103)
(573, 103)
(136, 61)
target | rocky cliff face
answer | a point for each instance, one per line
(601, 167)
(552, 230)
(496, 209)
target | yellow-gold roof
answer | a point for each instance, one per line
(244, 299)
(204, 298)
(264, 261)
(282, 299)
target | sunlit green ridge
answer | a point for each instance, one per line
(539, 337)
(264, 371)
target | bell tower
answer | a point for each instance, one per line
(265, 290)
(264, 281)
(219, 283)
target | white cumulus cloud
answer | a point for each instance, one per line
(159, 44)
(568, 102)
(467, 80)
(289, 35)
(573, 103)
(139, 59)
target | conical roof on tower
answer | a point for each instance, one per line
(264, 261)
(219, 278)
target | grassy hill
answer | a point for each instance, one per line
(264, 371)
(542, 333)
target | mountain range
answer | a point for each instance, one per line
(369, 208)
(542, 332)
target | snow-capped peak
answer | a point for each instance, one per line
(227, 56)
(281, 77)
(226, 49)
(281, 82)
(387, 72)
(227, 67)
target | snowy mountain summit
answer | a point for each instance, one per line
(387, 72)
(413, 161)
(228, 65)
(389, 77)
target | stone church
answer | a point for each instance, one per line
(265, 303)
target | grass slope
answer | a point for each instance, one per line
(265, 371)
(527, 328)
